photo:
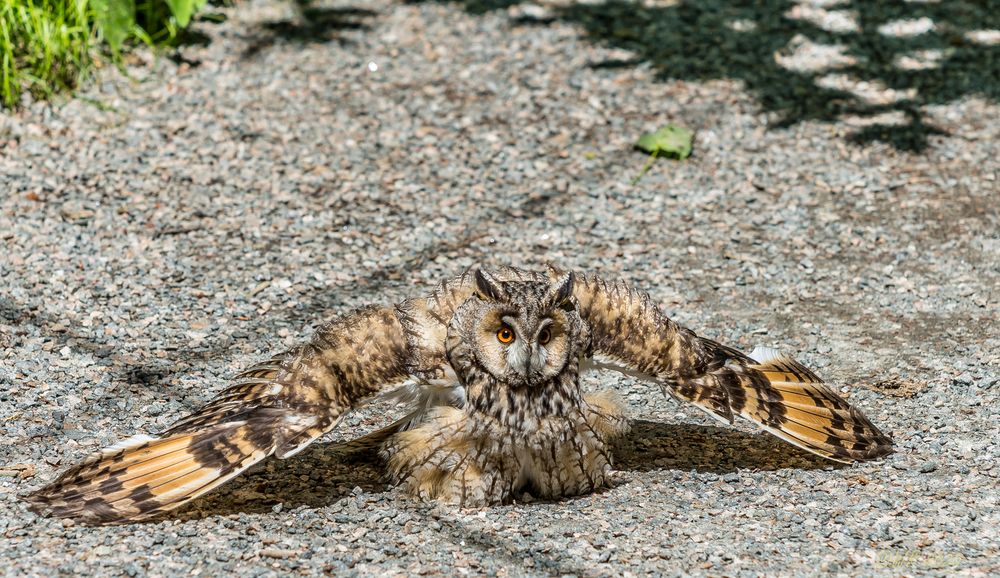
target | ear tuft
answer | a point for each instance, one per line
(488, 286)
(554, 273)
(560, 291)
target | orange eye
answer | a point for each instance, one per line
(544, 336)
(505, 335)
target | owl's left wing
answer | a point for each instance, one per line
(630, 334)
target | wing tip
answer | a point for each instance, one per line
(879, 447)
(46, 506)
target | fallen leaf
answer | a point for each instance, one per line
(670, 140)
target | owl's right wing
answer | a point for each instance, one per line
(630, 334)
(274, 408)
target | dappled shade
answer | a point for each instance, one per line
(872, 64)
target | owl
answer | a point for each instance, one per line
(488, 366)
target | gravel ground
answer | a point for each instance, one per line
(167, 228)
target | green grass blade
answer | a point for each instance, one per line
(115, 18)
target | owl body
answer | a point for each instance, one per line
(464, 457)
(488, 365)
(518, 420)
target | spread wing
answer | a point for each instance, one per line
(274, 408)
(630, 334)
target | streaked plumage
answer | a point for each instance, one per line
(489, 367)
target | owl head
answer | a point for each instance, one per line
(522, 331)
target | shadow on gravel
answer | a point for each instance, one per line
(50, 325)
(749, 40)
(319, 476)
(314, 478)
(311, 25)
(674, 446)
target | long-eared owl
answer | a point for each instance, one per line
(489, 368)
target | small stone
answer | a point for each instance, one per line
(278, 553)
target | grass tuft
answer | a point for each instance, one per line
(45, 46)
(48, 46)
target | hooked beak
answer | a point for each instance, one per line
(531, 366)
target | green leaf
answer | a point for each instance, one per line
(115, 18)
(670, 140)
(183, 10)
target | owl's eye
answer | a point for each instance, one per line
(544, 336)
(505, 335)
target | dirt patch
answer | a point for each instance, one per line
(896, 386)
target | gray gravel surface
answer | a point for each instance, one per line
(167, 228)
